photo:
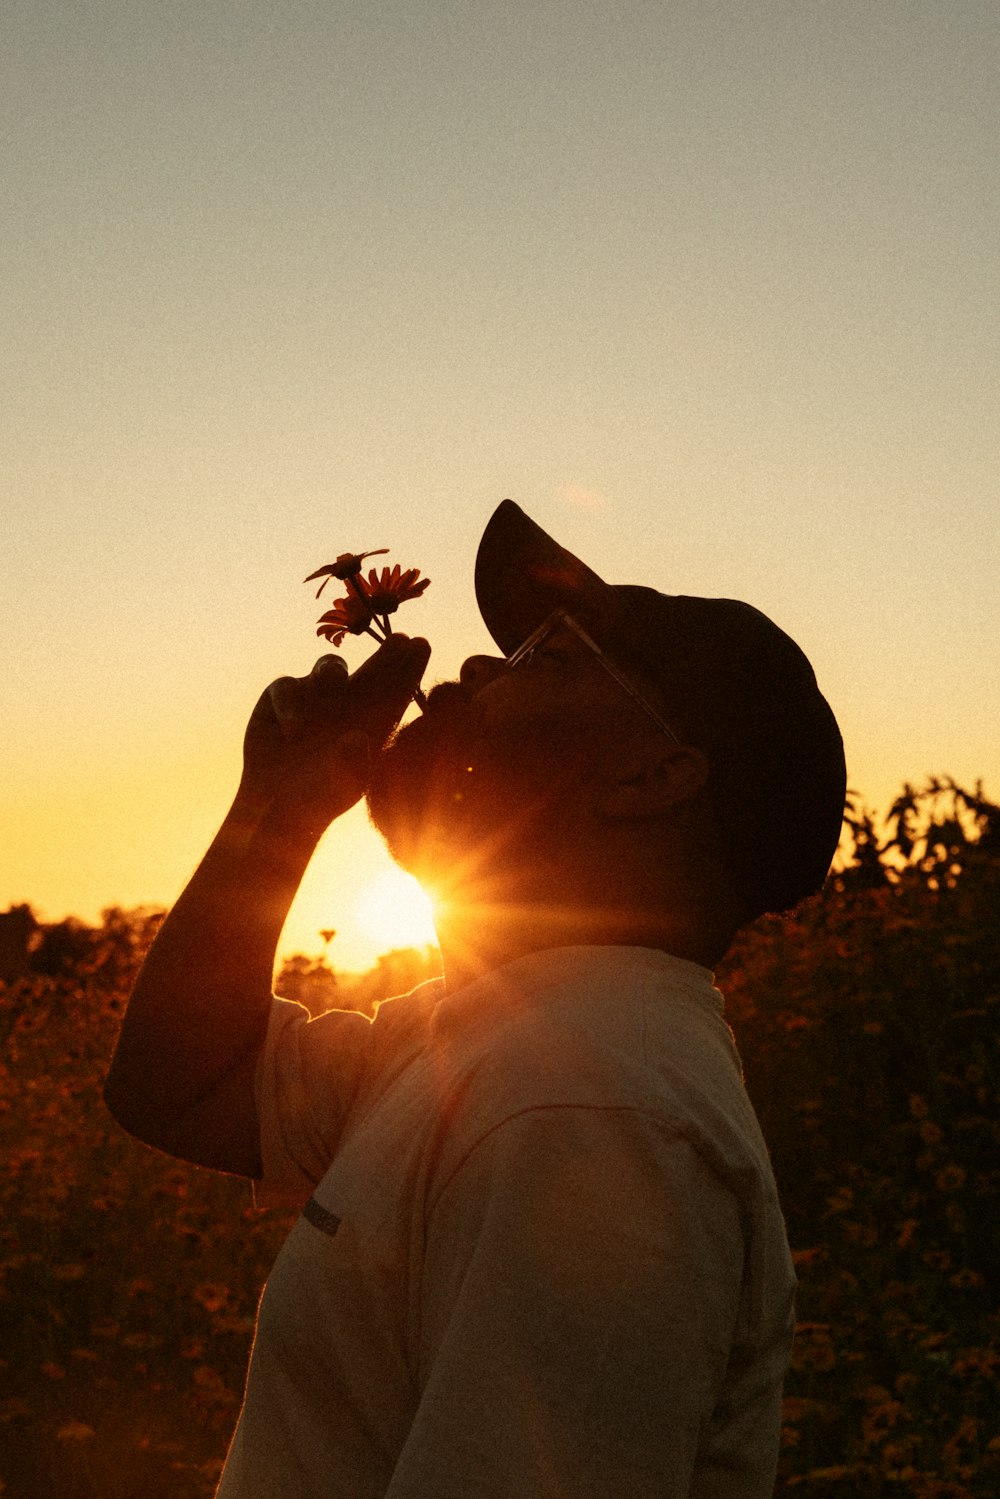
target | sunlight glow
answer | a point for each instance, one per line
(396, 912)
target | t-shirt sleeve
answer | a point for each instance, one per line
(313, 1074)
(582, 1284)
(308, 1073)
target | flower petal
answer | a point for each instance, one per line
(347, 565)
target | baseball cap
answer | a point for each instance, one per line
(733, 684)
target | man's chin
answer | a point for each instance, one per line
(417, 794)
(455, 803)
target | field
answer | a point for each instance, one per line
(868, 1025)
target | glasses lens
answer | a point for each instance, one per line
(560, 621)
(524, 652)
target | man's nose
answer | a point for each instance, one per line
(478, 671)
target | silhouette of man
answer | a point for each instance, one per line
(540, 1253)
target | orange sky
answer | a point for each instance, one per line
(710, 290)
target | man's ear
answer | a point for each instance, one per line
(653, 780)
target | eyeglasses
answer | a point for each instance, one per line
(560, 620)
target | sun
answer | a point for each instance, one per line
(395, 911)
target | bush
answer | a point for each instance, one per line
(128, 1281)
(868, 1025)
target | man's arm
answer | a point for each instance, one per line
(183, 1070)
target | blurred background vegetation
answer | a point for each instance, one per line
(868, 1025)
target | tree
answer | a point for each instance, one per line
(18, 929)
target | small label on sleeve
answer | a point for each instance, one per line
(320, 1217)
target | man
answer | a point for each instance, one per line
(540, 1254)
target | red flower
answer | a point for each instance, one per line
(347, 565)
(351, 615)
(366, 607)
(385, 593)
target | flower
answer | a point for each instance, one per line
(347, 565)
(366, 607)
(386, 592)
(212, 1297)
(75, 1431)
(350, 615)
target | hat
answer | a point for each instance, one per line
(733, 684)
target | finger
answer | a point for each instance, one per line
(398, 659)
(330, 666)
(383, 686)
(326, 693)
(286, 702)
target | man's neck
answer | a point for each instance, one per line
(477, 940)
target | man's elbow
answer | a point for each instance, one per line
(140, 1099)
(220, 1130)
(129, 1106)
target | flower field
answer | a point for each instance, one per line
(868, 1023)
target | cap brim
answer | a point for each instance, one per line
(522, 575)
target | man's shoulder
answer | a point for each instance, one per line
(647, 1043)
(585, 1018)
(557, 1047)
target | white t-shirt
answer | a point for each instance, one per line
(540, 1254)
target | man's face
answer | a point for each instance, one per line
(495, 772)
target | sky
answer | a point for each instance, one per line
(709, 288)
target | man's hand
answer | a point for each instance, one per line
(182, 1077)
(311, 740)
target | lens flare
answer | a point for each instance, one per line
(396, 912)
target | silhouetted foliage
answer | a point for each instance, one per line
(310, 982)
(395, 972)
(868, 1024)
(932, 833)
(109, 954)
(18, 927)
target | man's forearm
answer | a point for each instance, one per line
(201, 1000)
(182, 1077)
